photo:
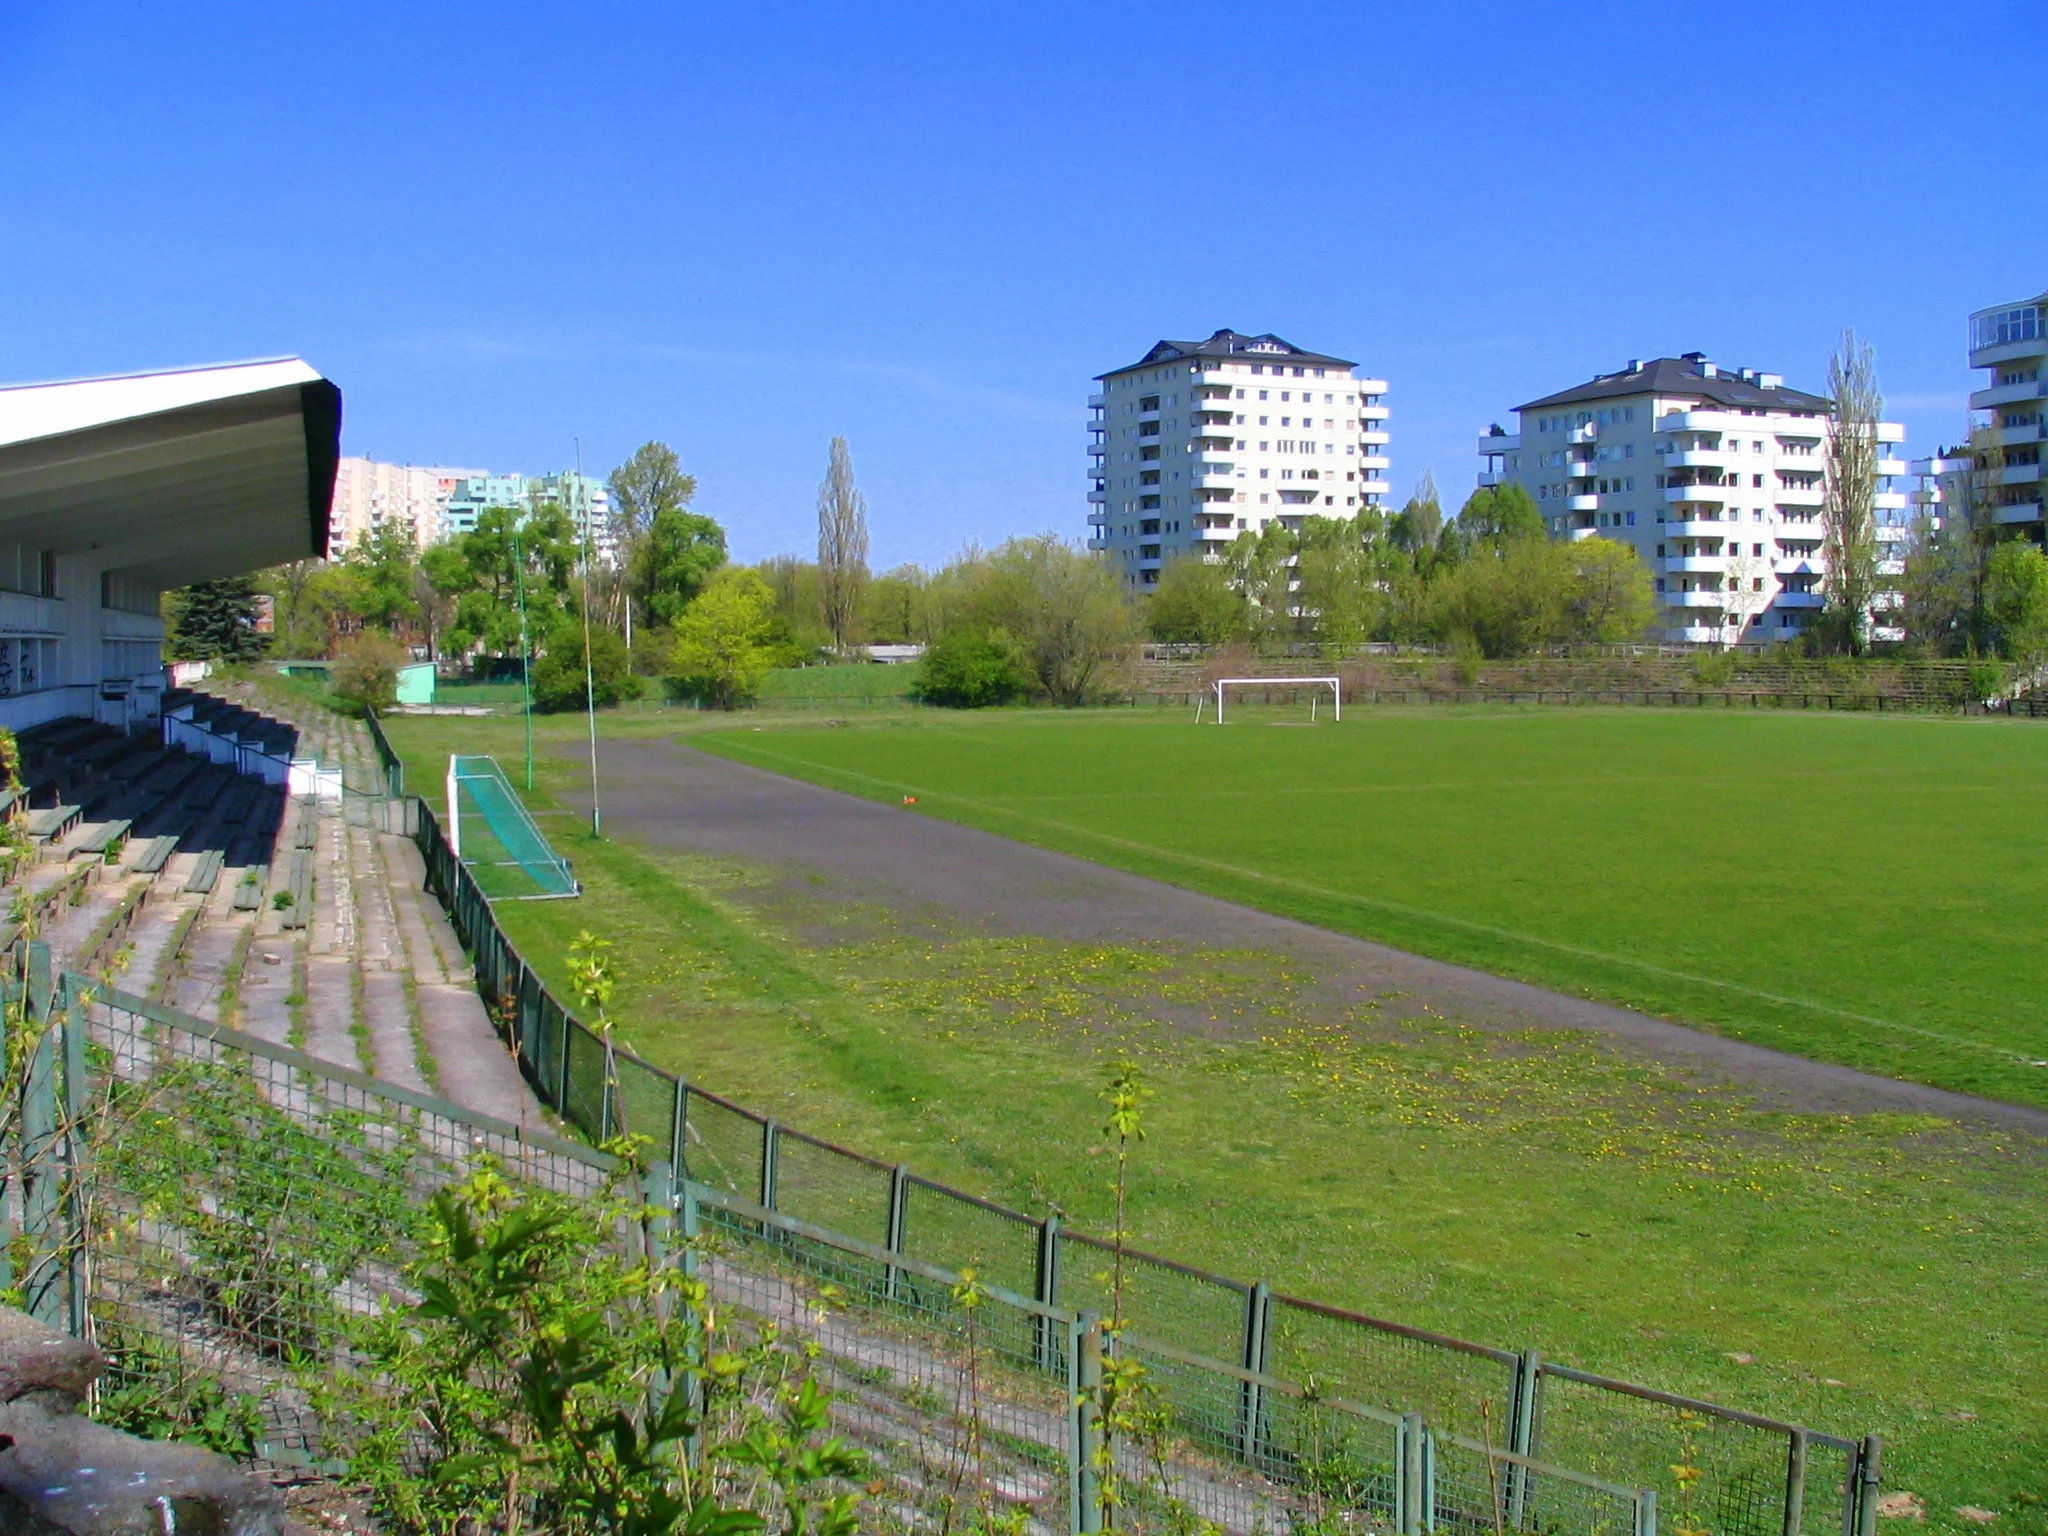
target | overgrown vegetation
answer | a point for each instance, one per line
(1466, 1179)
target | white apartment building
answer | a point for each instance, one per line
(1200, 441)
(368, 495)
(2011, 341)
(1716, 476)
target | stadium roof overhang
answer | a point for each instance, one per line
(175, 477)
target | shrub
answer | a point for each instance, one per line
(558, 680)
(1987, 679)
(970, 671)
(723, 644)
(366, 671)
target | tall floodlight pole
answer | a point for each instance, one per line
(589, 671)
(525, 650)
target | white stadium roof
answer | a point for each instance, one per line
(178, 477)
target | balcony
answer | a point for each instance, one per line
(1488, 481)
(1696, 634)
(1223, 535)
(2019, 512)
(2019, 474)
(1701, 421)
(1373, 413)
(2008, 352)
(1581, 469)
(1696, 599)
(1705, 495)
(1582, 503)
(1373, 439)
(1586, 434)
(1215, 458)
(1099, 519)
(2012, 437)
(1511, 443)
(1097, 402)
(1098, 497)
(1800, 600)
(1206, 418)
(1701, 528)
(1891, 432)
(1714, 564)
(1796, 565)
(1098, 544)
(1889, 501)
(1891, 466)
(1697, 458)
(1213, 480)
(1892, 533)
(2007, 394)
(1800, 496)
(1374, 461)
(1374, 487)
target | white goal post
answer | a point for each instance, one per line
(1335, 686)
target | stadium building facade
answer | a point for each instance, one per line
(1716, 476)
(1199, 441)
(116, 490)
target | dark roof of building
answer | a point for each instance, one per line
(1691, 374)
(1266, 348)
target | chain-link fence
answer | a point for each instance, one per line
(209, 1205)
(1745, 1473)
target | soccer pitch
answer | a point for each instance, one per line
(1855, 888)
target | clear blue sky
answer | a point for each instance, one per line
(743, 229)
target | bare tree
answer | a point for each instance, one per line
(1849, 519)
(842, 546)
(1748, 589)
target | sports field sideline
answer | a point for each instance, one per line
(1855, 888)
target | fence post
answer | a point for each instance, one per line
(72, 1021)
(899, 1211)
(1795, 1482)
(1646, 1512)
(39, 1155)
(562, 1070)
(1086, 1436)
(1252, 1405)
(1045, 1284)
(1522, 1425)
(769, 1149)
(1869, 1475)
(679, 1131)
(1409, 1494)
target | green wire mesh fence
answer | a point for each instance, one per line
(209, 1205)
(1749, 1475)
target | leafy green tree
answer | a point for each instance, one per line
(543, 539)
(968, 671)
(1612, 596)
(215, 621)
(558, 679)
(1066, 610)
(668, 550)
(382, 564)
(2016, 601)
(1508, 599)
(1341, 598)
(723, 646)
(1420, 519)
(1500, 513)
(842, 547)
(896, 606)
(1194, 604)
(366, 671)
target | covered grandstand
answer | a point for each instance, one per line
(115, 490)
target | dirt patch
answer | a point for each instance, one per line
(872, 861)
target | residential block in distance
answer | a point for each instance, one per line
(1199, 441)
(369, 496)
(2011, 341)
(1716, 476)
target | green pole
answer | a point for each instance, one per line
(525, 650)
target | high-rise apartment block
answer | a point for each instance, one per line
(369, 496)
(1200, 441)
(1716, 476)
(586, 501)
(2011, 341)
(439, 504)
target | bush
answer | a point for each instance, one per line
(1987, 680)
(723, 643)
(365, 671)
(558, 680)
(970, 671)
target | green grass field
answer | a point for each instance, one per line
(1855, 888)
(1855, 1272)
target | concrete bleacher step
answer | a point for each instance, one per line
(249, 889)
(205, 873)
(299, 885)
(154, 853)
(107, 834)
(52, 822)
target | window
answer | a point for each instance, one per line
(1265, 474)
(1262, 395)
(1631, 519)
(46, 574)
(1286, 394)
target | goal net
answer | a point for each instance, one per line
(491, 831)
(1314, 685)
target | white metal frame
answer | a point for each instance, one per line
(1336, 687)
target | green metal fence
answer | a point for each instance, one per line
(1756, 1476)
(204, 1203)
